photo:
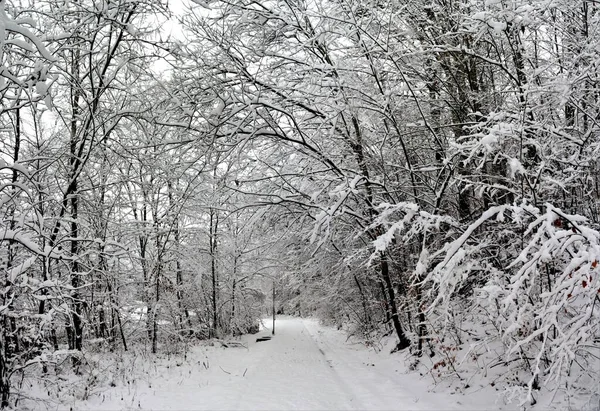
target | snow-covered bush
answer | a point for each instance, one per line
(532, 285)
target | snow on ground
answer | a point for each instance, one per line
(304, 366)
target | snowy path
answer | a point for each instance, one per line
(290, 372)
(304, 367)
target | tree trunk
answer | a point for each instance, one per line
(76, 309)
(385, 275)
(179, 271)
(214, 224)
(4, 380)
(156, 285)
(155, 315)
(421, 326)
(232, 318)
(9, 341)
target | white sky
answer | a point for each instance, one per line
(173, 29)
(178, 7)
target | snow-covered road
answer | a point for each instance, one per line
(305, 366)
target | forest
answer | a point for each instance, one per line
(425, 170)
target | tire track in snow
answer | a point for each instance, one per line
(374, 389)
(339, 380)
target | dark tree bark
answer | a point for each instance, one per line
(214, 225)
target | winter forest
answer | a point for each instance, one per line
(421, 176)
